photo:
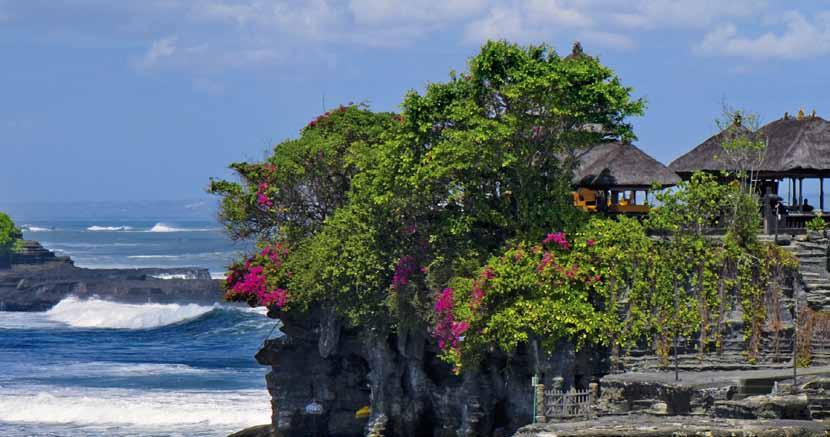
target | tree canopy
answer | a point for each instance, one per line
(9, 234)
(455, 218)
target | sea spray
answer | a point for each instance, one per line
(97, 313)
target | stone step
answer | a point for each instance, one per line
(812, 245)
(809, 253)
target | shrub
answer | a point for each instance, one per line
(816, 223)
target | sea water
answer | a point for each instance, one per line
(99, 368)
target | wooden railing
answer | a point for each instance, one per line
(564, 405)
(557, 404)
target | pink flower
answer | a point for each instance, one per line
(444, 303)
(407, 265)
(559, 238)
(590, 243)
(547, 259)
(276, 297)
(477, 293)
(488, 273)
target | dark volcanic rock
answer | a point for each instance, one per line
(653, 426)
(42, 280)
(410, 391)
(257, 431)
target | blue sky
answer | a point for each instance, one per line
(147, 99)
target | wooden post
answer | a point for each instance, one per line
(821, 194)
(633, 197)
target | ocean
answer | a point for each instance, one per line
(99, 368)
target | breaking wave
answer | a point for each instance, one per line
(31, 228)
(162, 227)
(108, 228)
(240, 408)
(97, 313)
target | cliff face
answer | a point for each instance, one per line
(37, 280)
(410, 391)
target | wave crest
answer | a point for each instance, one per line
(126, 406)
(108, 228)
(31, 228)
(97, 313)
(163, 227)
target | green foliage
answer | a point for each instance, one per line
(382, 210)
(816, 224)
(443, 217)
(10, 235)
(302, 183)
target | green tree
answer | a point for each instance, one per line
(472, 169)
(10, 236)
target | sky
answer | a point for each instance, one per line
(147, 99)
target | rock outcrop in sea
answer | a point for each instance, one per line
(37, 280)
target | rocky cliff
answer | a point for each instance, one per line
(319, 363)
(37, 280)
(411, 392)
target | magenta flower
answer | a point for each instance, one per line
(406, 266)
(559, 238)
(547, 259)
(444, 303)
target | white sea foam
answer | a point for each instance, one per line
(162, 227)
(31, 228)
(218, 275)
(172, 276)
(108, 228)
(90, 406)
(26, 320)
(97, 313)
(109, 369)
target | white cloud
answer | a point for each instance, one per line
(651, 14)
(386, 12)
(217, 34)
(801, 38)
(161, 49)
(529, 21)
(607, 39)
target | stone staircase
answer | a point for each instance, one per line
(812, 288)
(811, 251)
(819, 406)
(812, 265)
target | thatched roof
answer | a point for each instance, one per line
(620, 165)
(797, 146)
(794, 146)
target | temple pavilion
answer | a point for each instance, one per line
(616, 177)
(797, 149)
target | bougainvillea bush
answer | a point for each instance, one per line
(452, 220)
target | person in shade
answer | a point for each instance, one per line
(806, 207)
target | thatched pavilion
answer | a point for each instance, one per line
(798, 148)
(608, 170)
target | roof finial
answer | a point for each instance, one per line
(786, 115)
(800, 114)
(577, 49)
(813, 114)
(737, 119)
